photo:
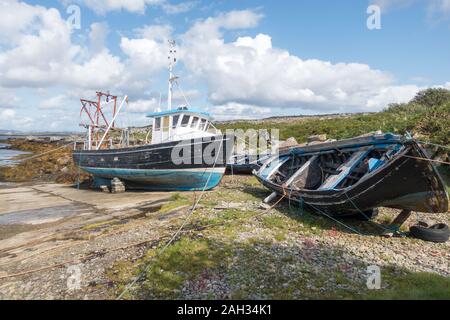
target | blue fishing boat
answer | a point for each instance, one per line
(186, 151)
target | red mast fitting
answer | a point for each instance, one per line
(95, 110)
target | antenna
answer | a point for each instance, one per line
(172, 60)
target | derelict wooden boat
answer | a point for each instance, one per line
(245, 164)
(348, 176)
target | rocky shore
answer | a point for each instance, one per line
(52, 166)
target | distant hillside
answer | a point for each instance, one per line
(292, 118)
(426, 116)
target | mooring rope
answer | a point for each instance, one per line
(188, 216)
(426, 159)
(434, 144)
(104, 252)
(368, 218)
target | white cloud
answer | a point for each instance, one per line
(16, 17)
(251, 71)
(97, 37)
(143, 105)
(145, 58)
(102, 71)
(10, 120)
(8, 98)
(46, 56)
(387, 5)
(54, 102)
(234, 110)
(392, 94)
(155, 32)
(210, 28)
(7, 114)
(179, 8)
(138, 6)
(445, 6)
(243, 77)
(104, 6)
(39, 57)
(440, 8)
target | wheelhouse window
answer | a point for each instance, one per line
(195, 122)
(157, 123)
(175, 121)
(165, 123)
(185, 121)
(202, 124)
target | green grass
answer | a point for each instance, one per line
(413, 286)
(99, 225)
(175, 201)
(184, 260)
(433, 123)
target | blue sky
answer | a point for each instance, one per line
(238, 59)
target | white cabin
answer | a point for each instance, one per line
(181, 124)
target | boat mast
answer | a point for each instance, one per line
(172, 78)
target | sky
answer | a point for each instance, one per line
(237, 59)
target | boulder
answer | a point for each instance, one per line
(317, 138)
(290, 142)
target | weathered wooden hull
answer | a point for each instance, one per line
(245, 164)
(404, 182)
(197, 164)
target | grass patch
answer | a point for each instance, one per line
(413, 286)
(181, 261)
(273, 221)
(99, 225)
(176, 201)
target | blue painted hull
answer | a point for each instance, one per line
(164, 180)
(161, 166)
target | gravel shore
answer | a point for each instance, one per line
(228, 250)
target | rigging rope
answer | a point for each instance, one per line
(44, 153)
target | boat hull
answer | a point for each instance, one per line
(408, 181)
(181, 165)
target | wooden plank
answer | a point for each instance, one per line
(300, 171)
(345, 170)
(273, 167)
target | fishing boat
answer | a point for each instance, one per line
(357, 175)
(186, 151)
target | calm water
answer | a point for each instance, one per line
(6, 155)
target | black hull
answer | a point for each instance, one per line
(194, 164)
(403, 183)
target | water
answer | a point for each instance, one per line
(6, 155)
